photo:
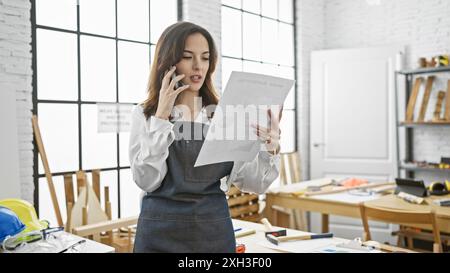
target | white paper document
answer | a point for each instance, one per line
(245, 101)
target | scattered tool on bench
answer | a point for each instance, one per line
(278, 239)
(271, 230)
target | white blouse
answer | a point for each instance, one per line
(149, 148)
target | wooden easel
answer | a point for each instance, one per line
(48, 174)
(85, 216)
(87, 212)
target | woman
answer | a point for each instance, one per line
(184, 209)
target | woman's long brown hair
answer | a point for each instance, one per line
(169, 51)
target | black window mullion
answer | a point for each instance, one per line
(117, 101)
(35, 106)
(80, 150)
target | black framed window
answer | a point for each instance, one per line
(87, 52)
(259, 36)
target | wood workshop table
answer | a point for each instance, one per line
(342, 207)
(252, 242)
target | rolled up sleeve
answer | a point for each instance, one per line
(148, 149)
(257, 175)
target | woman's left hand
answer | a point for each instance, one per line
(270, 136)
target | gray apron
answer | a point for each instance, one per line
(189, 211)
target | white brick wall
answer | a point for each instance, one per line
(422, 26)
(207, 15)
(16, 71)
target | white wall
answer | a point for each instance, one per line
(310, 37)
(16, 72)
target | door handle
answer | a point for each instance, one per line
(316, 145)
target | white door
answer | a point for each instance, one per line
(353, 123)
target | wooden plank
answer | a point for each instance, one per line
(68, 227)
(88, 200)
(104, 226)
(96, 183)
(426, 98)
(244, 199)
(413, 99)
(109, 214)
(437, 111)
(84, 220)
(233, 191)
(68, 188)
(325, 223)
(251, 218)
(106, 196)
(241, 210)
(342, 189)
(81, 181)
(48, 174)
(447, 103)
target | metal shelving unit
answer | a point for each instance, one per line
(410, 126)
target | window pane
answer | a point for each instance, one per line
(57, 66)
(259, 68)
(252, 6)
(231, 33)
(270, 52)
(132, 20)
(286, 44)
(287, 126)
(99, 149)
(109, 179)
(288, 73)
(152, 49)
(229, 65)
(98, 17)
(57, 13)
(46, 211)
(252, 37)
(233, 3)
(134, 69)
(269, 8)
(98, 69)
(129, 195)
(124, 140)
(163, 13)
(58, 124)
(286, 11)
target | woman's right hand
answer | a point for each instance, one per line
(168, 95)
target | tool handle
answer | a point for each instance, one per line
(267, 224)
(323, 235)
(304, 237)
(293, 237)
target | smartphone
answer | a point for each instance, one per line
(177, 84)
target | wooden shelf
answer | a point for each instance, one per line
(427, 123)
(425, 70)
(417, 168)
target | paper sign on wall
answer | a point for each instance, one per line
(114, 117)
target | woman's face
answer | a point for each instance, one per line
(195, 62)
